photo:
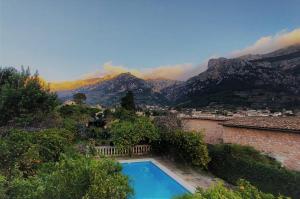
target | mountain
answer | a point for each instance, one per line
(108, 92)
(258, 81)
(72, 85)
(269, 80)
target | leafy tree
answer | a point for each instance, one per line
(24, 98)
(79, 98)
(127, 102)
(126, 134)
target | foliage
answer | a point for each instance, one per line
(28, 150)
(232, 162)
(98, 133)
(24, 98)
(187, 147)
(126, 134)
(124, 114)
(87, 178)
(77, 111)
(74, 178)
(2, 186)
(79, 98)
(76, 117)
(127, 102)
(244, 191)
(25, 188)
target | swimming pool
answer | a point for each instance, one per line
(150, 182)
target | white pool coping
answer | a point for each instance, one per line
(175, 177)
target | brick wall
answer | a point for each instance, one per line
(283, 146)
(212, 129)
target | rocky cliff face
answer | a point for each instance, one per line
(255, 80)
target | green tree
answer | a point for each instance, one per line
(79, 98)
(127, 102)
(24, 98)
(126, 134)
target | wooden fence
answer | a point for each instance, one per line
(114, 151)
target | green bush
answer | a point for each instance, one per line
(74, 178)
(77, 111)
(126, 134)
(28, 150)
(231, 163)
(187, 147)
(2, 187)
(244, 191)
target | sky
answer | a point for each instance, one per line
(74, 39)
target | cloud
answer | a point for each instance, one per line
(109, 69)
(168, 72)
(184, 71)
(271, 43)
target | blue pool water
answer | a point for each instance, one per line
(150, 182)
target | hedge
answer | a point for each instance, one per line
(186, 147)
(268, 177)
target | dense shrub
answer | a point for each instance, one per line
(244, 191)
(80, 113)
(124, 114)
(2, 186)
(126, 134)
(187, 147)
(232, 162)
(74, 178)
(27, 150)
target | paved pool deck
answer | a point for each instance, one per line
(189, 177)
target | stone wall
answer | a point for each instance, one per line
(212, 129)
(283, 146)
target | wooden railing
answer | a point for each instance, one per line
(114, 151)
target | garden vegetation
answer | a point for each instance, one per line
(47, 149)
(244, 190)
(232, 162)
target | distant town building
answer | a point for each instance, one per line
(69, 102)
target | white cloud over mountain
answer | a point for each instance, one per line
(184, 71)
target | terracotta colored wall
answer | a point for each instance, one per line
(212, 129)
(283, 146)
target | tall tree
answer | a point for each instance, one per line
(23, 97)
(127, 102)
(79, 98)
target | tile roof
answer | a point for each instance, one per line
(291, 124)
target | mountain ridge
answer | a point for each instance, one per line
(269, 80)
(266, 80)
